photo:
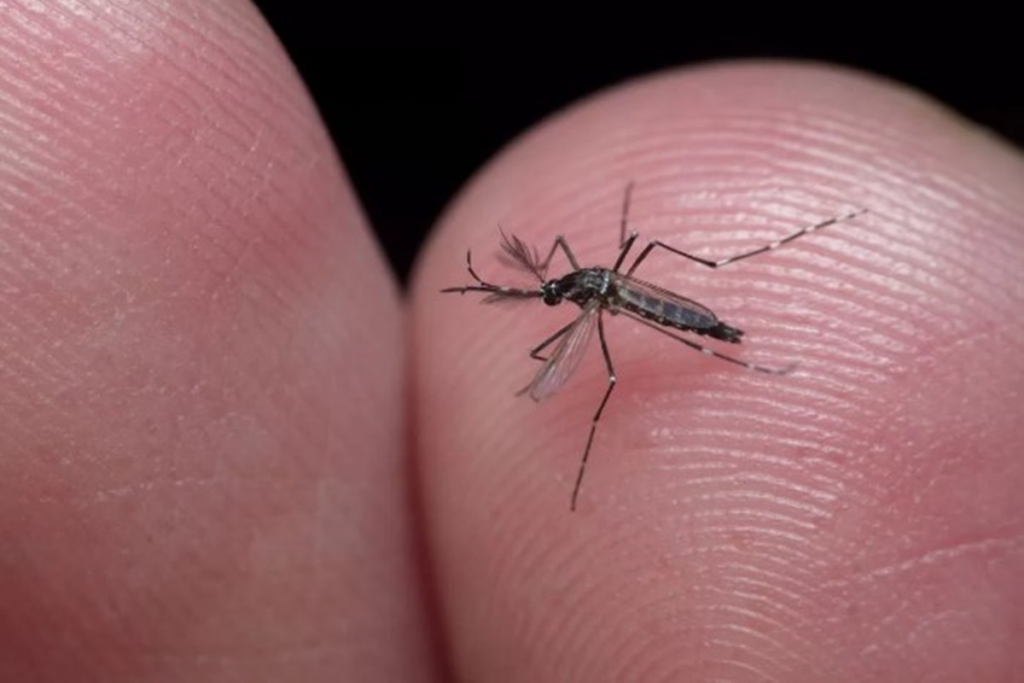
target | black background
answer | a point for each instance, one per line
(413, 123)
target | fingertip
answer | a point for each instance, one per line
(202, 406)
(761, 495)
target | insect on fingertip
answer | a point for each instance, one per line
(598, 290)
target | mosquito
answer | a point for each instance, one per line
(597, 290)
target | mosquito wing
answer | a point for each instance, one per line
(566, 357)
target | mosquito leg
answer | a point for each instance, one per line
(535, 351)
(747, 254)
(559, 242)
(625, 242)
(623, 250)
(597, 416)
(711, 352)
(626, 199)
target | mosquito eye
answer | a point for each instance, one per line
(549, 294)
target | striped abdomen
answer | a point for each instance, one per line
(669, 309)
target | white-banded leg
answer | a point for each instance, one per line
(747, 254)
(708, 351)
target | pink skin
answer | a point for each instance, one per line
(202, 453)
(203, 473)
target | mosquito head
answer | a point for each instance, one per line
(551, 292)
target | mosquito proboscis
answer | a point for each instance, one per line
(597, 290)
